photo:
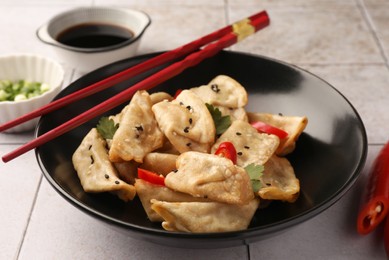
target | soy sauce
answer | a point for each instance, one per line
(94, 35)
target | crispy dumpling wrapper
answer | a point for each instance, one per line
(279, 181)
(95, 171)
(222, 91)
(138, 133)
(234, 113)
(210, 176)
(127, 171)
(205, 217)
(251, 146)
(160, 163)
(186, 122)
(148, 191)
(293, 125)
(159, 97)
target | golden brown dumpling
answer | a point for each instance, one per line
(95, 171)
(251, 146)
(138, 133)
(293, 125)
(222, 91)
(127, 170)
(148, 191)
(160, 163)
(159, 97)
(210, 176)
(205, 217)
(234, 113)
(279, 181)
(186, 122)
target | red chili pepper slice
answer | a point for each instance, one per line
(177, 93)
(376, 205)
(227, 150)
(151, 177)
(269, 129)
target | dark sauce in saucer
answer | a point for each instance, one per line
(94, 35)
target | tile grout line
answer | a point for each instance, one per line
(21, 243)
(361, 6)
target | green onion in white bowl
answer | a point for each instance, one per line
(21, 89)
(27, 82)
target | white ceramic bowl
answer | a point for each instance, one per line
(28, 67)
(87, 59)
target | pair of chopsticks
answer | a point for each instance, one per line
(213, 42)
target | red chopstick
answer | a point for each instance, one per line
(238, 32)
(128, 73)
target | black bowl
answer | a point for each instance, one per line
(328, 159)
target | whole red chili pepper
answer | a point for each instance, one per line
(386, 237)
(376, 205)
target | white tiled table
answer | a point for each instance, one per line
(345, 42)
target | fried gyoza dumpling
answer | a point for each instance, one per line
(234, 113)
(138, 133)
(279, 181)
(160, 96)
(148, 191)
(222, 91)
(186, 122)
(199, 217)
(210, 176)
(160, 163)
(127, 170)
(95, 171)
(251, 146)
(293, 125)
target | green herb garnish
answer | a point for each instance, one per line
(21, 90)
(255, 172)
(106, 127)
(222, 123)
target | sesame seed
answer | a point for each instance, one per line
(117, 182)
(139, 128)
(106, 176)
(190, 120)
(215, 88)
(239, 153)
(238, 133)
(247, 147)
(186, 129)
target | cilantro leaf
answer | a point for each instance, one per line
(256, 184)
(255, 172)
(222, 123)
(106, 127)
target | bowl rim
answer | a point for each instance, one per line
(43, 35)
(53, 89)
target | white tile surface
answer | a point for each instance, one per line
(74, 235)
(19, 182)
(313, 34)
(344, 42)
(336, 226)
